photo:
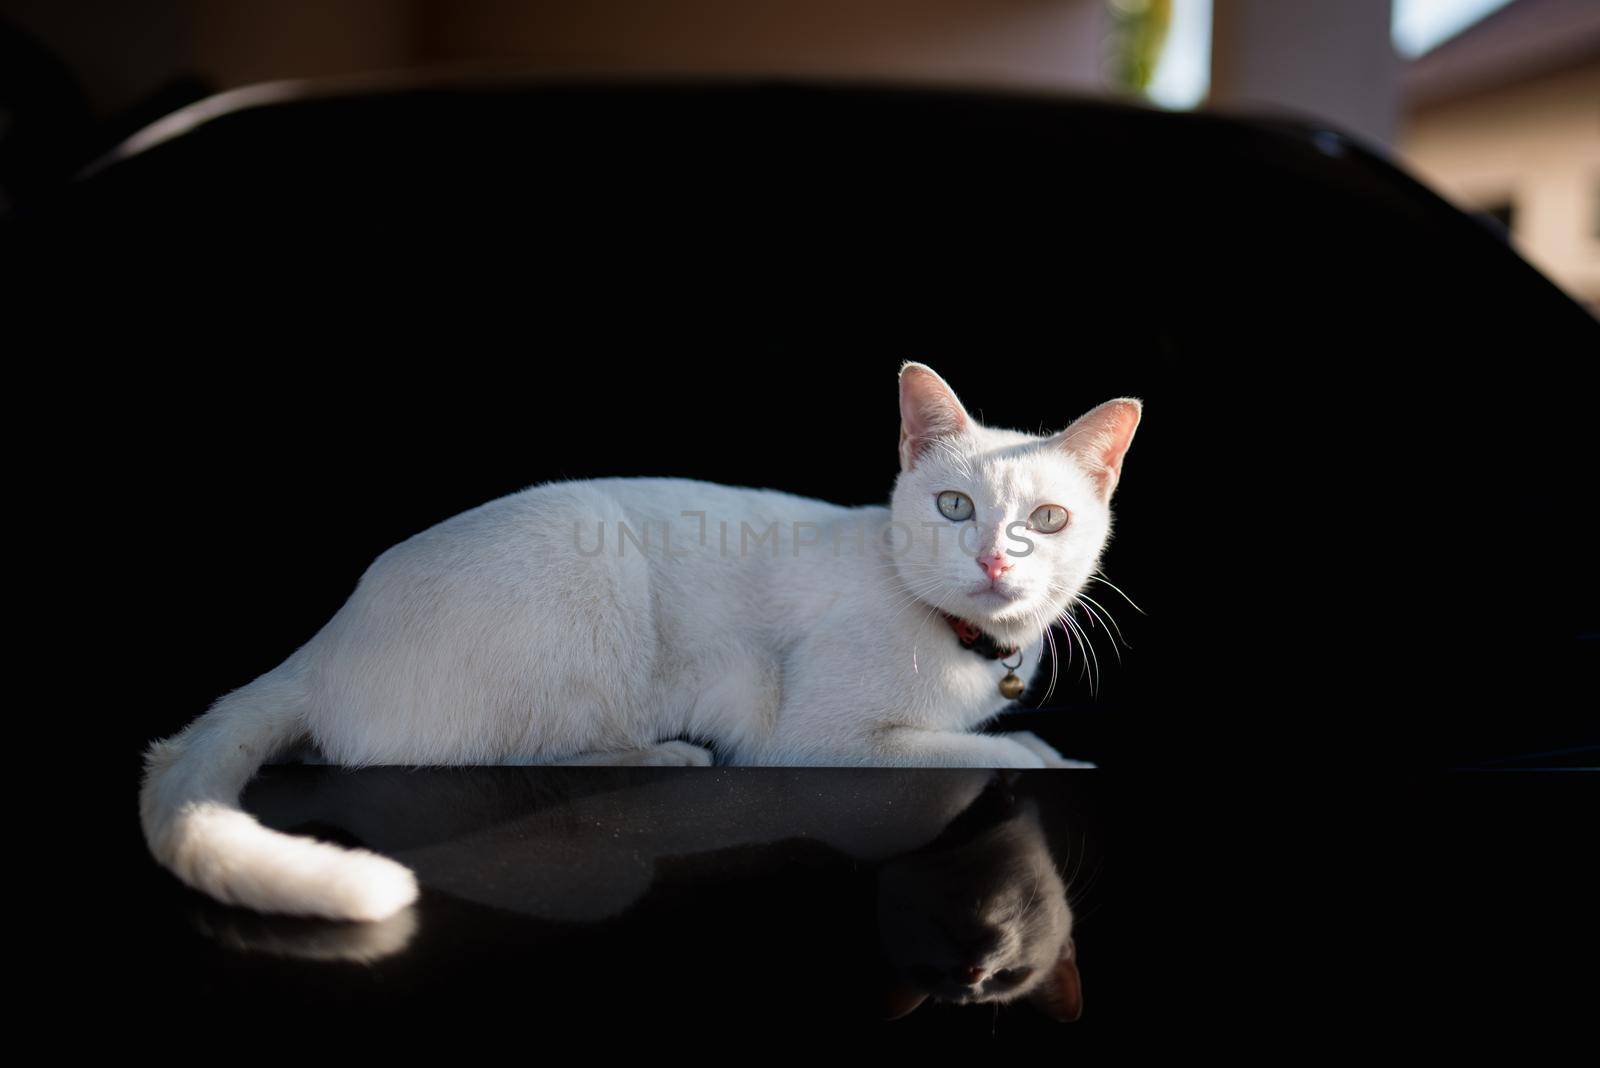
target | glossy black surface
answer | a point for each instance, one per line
(1265, 910)
(756, 893)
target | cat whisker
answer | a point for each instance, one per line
(914, 594)
(1105, 614)
(1050, 640)
(1072, 880)
(1080, 913)
(1091, 660)
(1079, 893)
(1091, 664)
(1032, 897)
(1099, 576)
(1096, 615)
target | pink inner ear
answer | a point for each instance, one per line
(902, 1001)
(928, 410)
(1101, 438)
(1061, 994)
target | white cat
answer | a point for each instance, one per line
(607, 621)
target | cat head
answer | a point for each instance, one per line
(983, 919)
(996, 526)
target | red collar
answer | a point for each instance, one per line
(971, 636)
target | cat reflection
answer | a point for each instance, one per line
(980, 916)
(304, 939)
(950, 878)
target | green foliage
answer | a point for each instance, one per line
(1138, 32)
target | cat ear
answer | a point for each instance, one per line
(901, 1001)
(1061, 993)
(1100, 439)
(929, 411)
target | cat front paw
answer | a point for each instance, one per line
(1040, 748)
(678, 755)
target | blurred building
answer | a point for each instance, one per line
(122, 51)
(1504, 119)
(1331, 61)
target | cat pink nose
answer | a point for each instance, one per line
(974, 975)
(994, 564)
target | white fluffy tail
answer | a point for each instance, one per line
(193, 824)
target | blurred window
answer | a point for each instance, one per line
(1419, 25)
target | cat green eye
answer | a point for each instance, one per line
(955, 506)
(1048, 518)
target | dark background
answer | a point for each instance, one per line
(1357, 516)
(1357, 502)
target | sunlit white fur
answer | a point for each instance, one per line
(503, 636)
